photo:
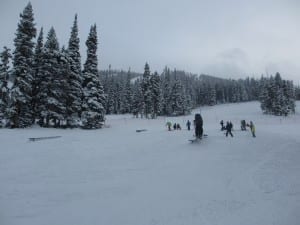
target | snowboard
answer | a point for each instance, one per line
(198, 139)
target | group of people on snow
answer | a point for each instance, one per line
(229, 127)
(176, 126)
(198, 125)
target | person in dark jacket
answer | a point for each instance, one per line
(229, 129)
(175, 126)
(188, 124)
(222, 125)
(243, 125)
(198, 122)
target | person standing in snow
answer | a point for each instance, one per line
(228, 129)
(198, 123)
(175, 126)
(188, 124)
(222, 125)
(252, 128)
(243, 125)
(169, 125)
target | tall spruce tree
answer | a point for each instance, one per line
(297, 93)
(55, 101)
(5, 57)
(74, 91)
(146, 90)
(263, 95)
(166, 92)
(21, 114)
(138, 106)
(211, 95)
(177, 100)
(94, 99)
(156, 95)
(37, 79)
(127, 93)
(64, 64)
(289, 92)
(110, 100)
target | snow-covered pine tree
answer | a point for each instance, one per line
(52, 99)
(219, 93)
(211, 95)
(156, 95)
(297, 93)
(37, 67)
(138, 100)
(243, 92)
(271, 102)
(190, 92)
(146, 90)
(263, 95)
(93, 110)
(289, 92)
(74, 91)
(5, 57)
(20, 112)
(254, 89)
(115, 90)
(127, 94)
(110, 99)
(166, 92)
(235, 97)
(64, 69)
(187, 103)
(177, 98)
(203, 94)
(277, 96)
(117, 97)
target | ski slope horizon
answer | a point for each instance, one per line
(116, 175)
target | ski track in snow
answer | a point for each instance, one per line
(156, 177)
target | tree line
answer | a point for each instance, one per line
(48, 86)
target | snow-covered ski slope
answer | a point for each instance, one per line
(116, 176)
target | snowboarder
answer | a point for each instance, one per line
(198, 123)
(222, 125)
(188, 124)
(229, 128)
(252, 128)
(178, 127)
(169, 125)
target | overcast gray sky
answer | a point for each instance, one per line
(226, 38)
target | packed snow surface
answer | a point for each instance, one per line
(117, 176)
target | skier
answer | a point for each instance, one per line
(178, 127)
(188, 124)
(243, 125)
(229, 128)
(198, 123)
(252, 128)
(175, 126)
(169, 125)
(222, 125)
